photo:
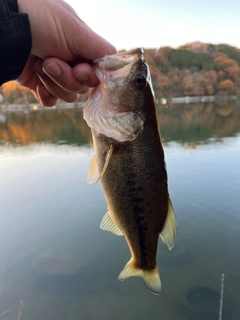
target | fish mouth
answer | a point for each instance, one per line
(120, 60)
(123, 54)
(117, 67)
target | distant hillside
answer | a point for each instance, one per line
(211, 49)
(186, 59)
(195, 69)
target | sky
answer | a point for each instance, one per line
(155, 23)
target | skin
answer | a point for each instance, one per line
(62, 48)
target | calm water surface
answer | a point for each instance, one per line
(56, 263)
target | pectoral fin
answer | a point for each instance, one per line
(93, 171)
(168, 234)
(108, 224)
(93, 175)
(107, 160)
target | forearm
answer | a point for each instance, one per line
(15, 40)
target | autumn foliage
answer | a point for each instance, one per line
(14, 93)
(195, 69)
(226, 85)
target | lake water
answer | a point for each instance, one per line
(56, 263)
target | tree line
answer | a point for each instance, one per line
(195, 69)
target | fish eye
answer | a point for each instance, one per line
(140, 81)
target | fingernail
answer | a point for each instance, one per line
(43, 92)
(82, 76)
(53, 69)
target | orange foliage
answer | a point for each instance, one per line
(197, 47)
(161, 55)
(226, 85)
(148, 57)
(165, 82)
(209, 81)
(43, 126)
(221, 75)
(223, 61)
(165, 51)
(234, 73)
(210, 75)
(11, 86)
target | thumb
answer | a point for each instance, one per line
(89, 45)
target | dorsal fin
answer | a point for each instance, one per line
(168, 234)
(93, 175)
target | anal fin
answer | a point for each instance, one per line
(168, 234)
(108, 224)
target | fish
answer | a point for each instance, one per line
(129, 162)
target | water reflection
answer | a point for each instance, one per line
(55, 258)
(188, 124)
(57, 126)
(194, 124)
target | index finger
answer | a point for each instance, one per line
(76, 80)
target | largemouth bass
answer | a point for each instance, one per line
(129, 162)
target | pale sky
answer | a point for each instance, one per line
(152, 24)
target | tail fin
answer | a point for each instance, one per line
(151, 279)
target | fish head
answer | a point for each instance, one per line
(115, 108)
(124, 76)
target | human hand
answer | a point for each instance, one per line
(62, 48)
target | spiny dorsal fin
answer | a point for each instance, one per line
(93, 175)
(93, 171)
(108, 224)
(151, 279)
(168, 234)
